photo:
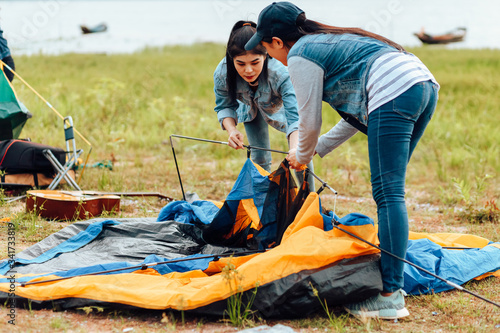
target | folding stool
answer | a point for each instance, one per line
(71, 157)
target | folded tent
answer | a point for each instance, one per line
(283, 274)
(310, 254)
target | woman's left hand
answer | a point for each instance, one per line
(292, 160)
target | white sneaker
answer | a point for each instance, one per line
(390, 307)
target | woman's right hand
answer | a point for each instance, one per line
(235, 139)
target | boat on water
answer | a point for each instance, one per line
(453, 36)
(90, 30)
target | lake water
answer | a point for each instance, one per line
(52, 26)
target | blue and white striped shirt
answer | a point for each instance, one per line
(391, 75)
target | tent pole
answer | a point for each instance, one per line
(177, 167)
(215, 257)
(225, 143)
(324, 184)
(454, 285)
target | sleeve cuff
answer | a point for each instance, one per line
(303, 160)
(226, 113)
(292, 128)
(321, 149)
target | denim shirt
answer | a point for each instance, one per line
(274, 98)
(345, 60)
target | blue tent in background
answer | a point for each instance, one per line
(13, 114)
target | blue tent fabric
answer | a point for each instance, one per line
(80, 271)
(251, 184)
(224, 229)
(351, 219)
(122, 242)
(184, 266)
(181, 267)
(72, 244)
(457, 266)
(185, 212)
(356, 219)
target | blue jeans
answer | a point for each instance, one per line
(394, 130)
(257, 132)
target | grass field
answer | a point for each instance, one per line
(127, 106)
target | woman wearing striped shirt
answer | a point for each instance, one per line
(378, 89)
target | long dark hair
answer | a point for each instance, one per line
(310, 27)
(240, 34)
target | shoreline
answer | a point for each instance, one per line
(147, 48)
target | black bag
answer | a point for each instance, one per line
(20, 156)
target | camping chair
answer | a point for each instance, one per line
(71, 157)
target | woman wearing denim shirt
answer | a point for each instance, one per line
(255, 90)
(378, 89)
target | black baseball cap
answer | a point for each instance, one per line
(277, 19)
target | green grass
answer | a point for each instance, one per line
(128, 105)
